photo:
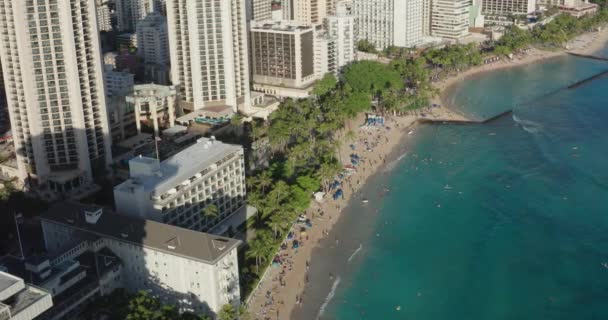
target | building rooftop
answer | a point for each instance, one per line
(151, 89)
(181, 166)
(281, 25)
(154, 235)
(9, 285)
(21, 296)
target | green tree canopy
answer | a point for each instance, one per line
(371, 77)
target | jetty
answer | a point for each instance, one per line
(586, 56)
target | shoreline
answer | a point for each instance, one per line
(382, 143)
(287, 291)
(585, 44)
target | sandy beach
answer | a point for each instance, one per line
(282, 288)
(373, 145)
(586, 44)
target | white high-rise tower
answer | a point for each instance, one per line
(52, 70)
(209, 52)
(389, 22)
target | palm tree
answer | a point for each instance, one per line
(279, 192)
(264, 180)
(327, 172)
(280, 222)
(210, 211)
(350, 136)
(260, 248)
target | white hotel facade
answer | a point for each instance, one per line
(177, 190)
(389, 22)
(55, 90)
(450, 18)
(194, 271)
(209, 52)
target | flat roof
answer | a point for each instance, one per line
(166, 238)
(280, 25)
(7, 281)
(182, 166)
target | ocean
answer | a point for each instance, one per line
(502, 220)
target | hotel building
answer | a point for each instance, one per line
(283, 58)
(177, 190)
(450, 19)
(341, 29)
(194, 271)
(305, 12)
(104, 17)
(507, 7)
(19, 301)
(260, 10)
(55, 90)
(209, 53)
(389, 22)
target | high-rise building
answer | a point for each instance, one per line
(283, 58)
(389, 22)
(261, 10)
(55, 90)
(104, 17)
(309, 12)
(450, 19)
(507, 7)
(153, 39)
(426, 17)
(330, 6)
(209, 52)
(341, 28)
(130, 12)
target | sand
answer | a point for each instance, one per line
(381, 142)
(586, 44)
(286, 290)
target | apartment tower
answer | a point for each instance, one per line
(130, 12)
(389, 22)
(209, 52)
(306, 12)
(261, 10)
(341, 29)
(55, 90)
(450, 19)
(508, 7)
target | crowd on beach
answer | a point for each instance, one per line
(276, 295)
(282, 288)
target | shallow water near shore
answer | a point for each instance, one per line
(505, 220)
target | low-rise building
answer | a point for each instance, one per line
(578, 8)
(177, 190)
(19, 301)
(197, 272)
(118, 83)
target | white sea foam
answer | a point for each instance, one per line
(355, 253)
(527, 125)
(391, 165)
(329, 297)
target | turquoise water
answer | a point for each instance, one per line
(506, 220)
